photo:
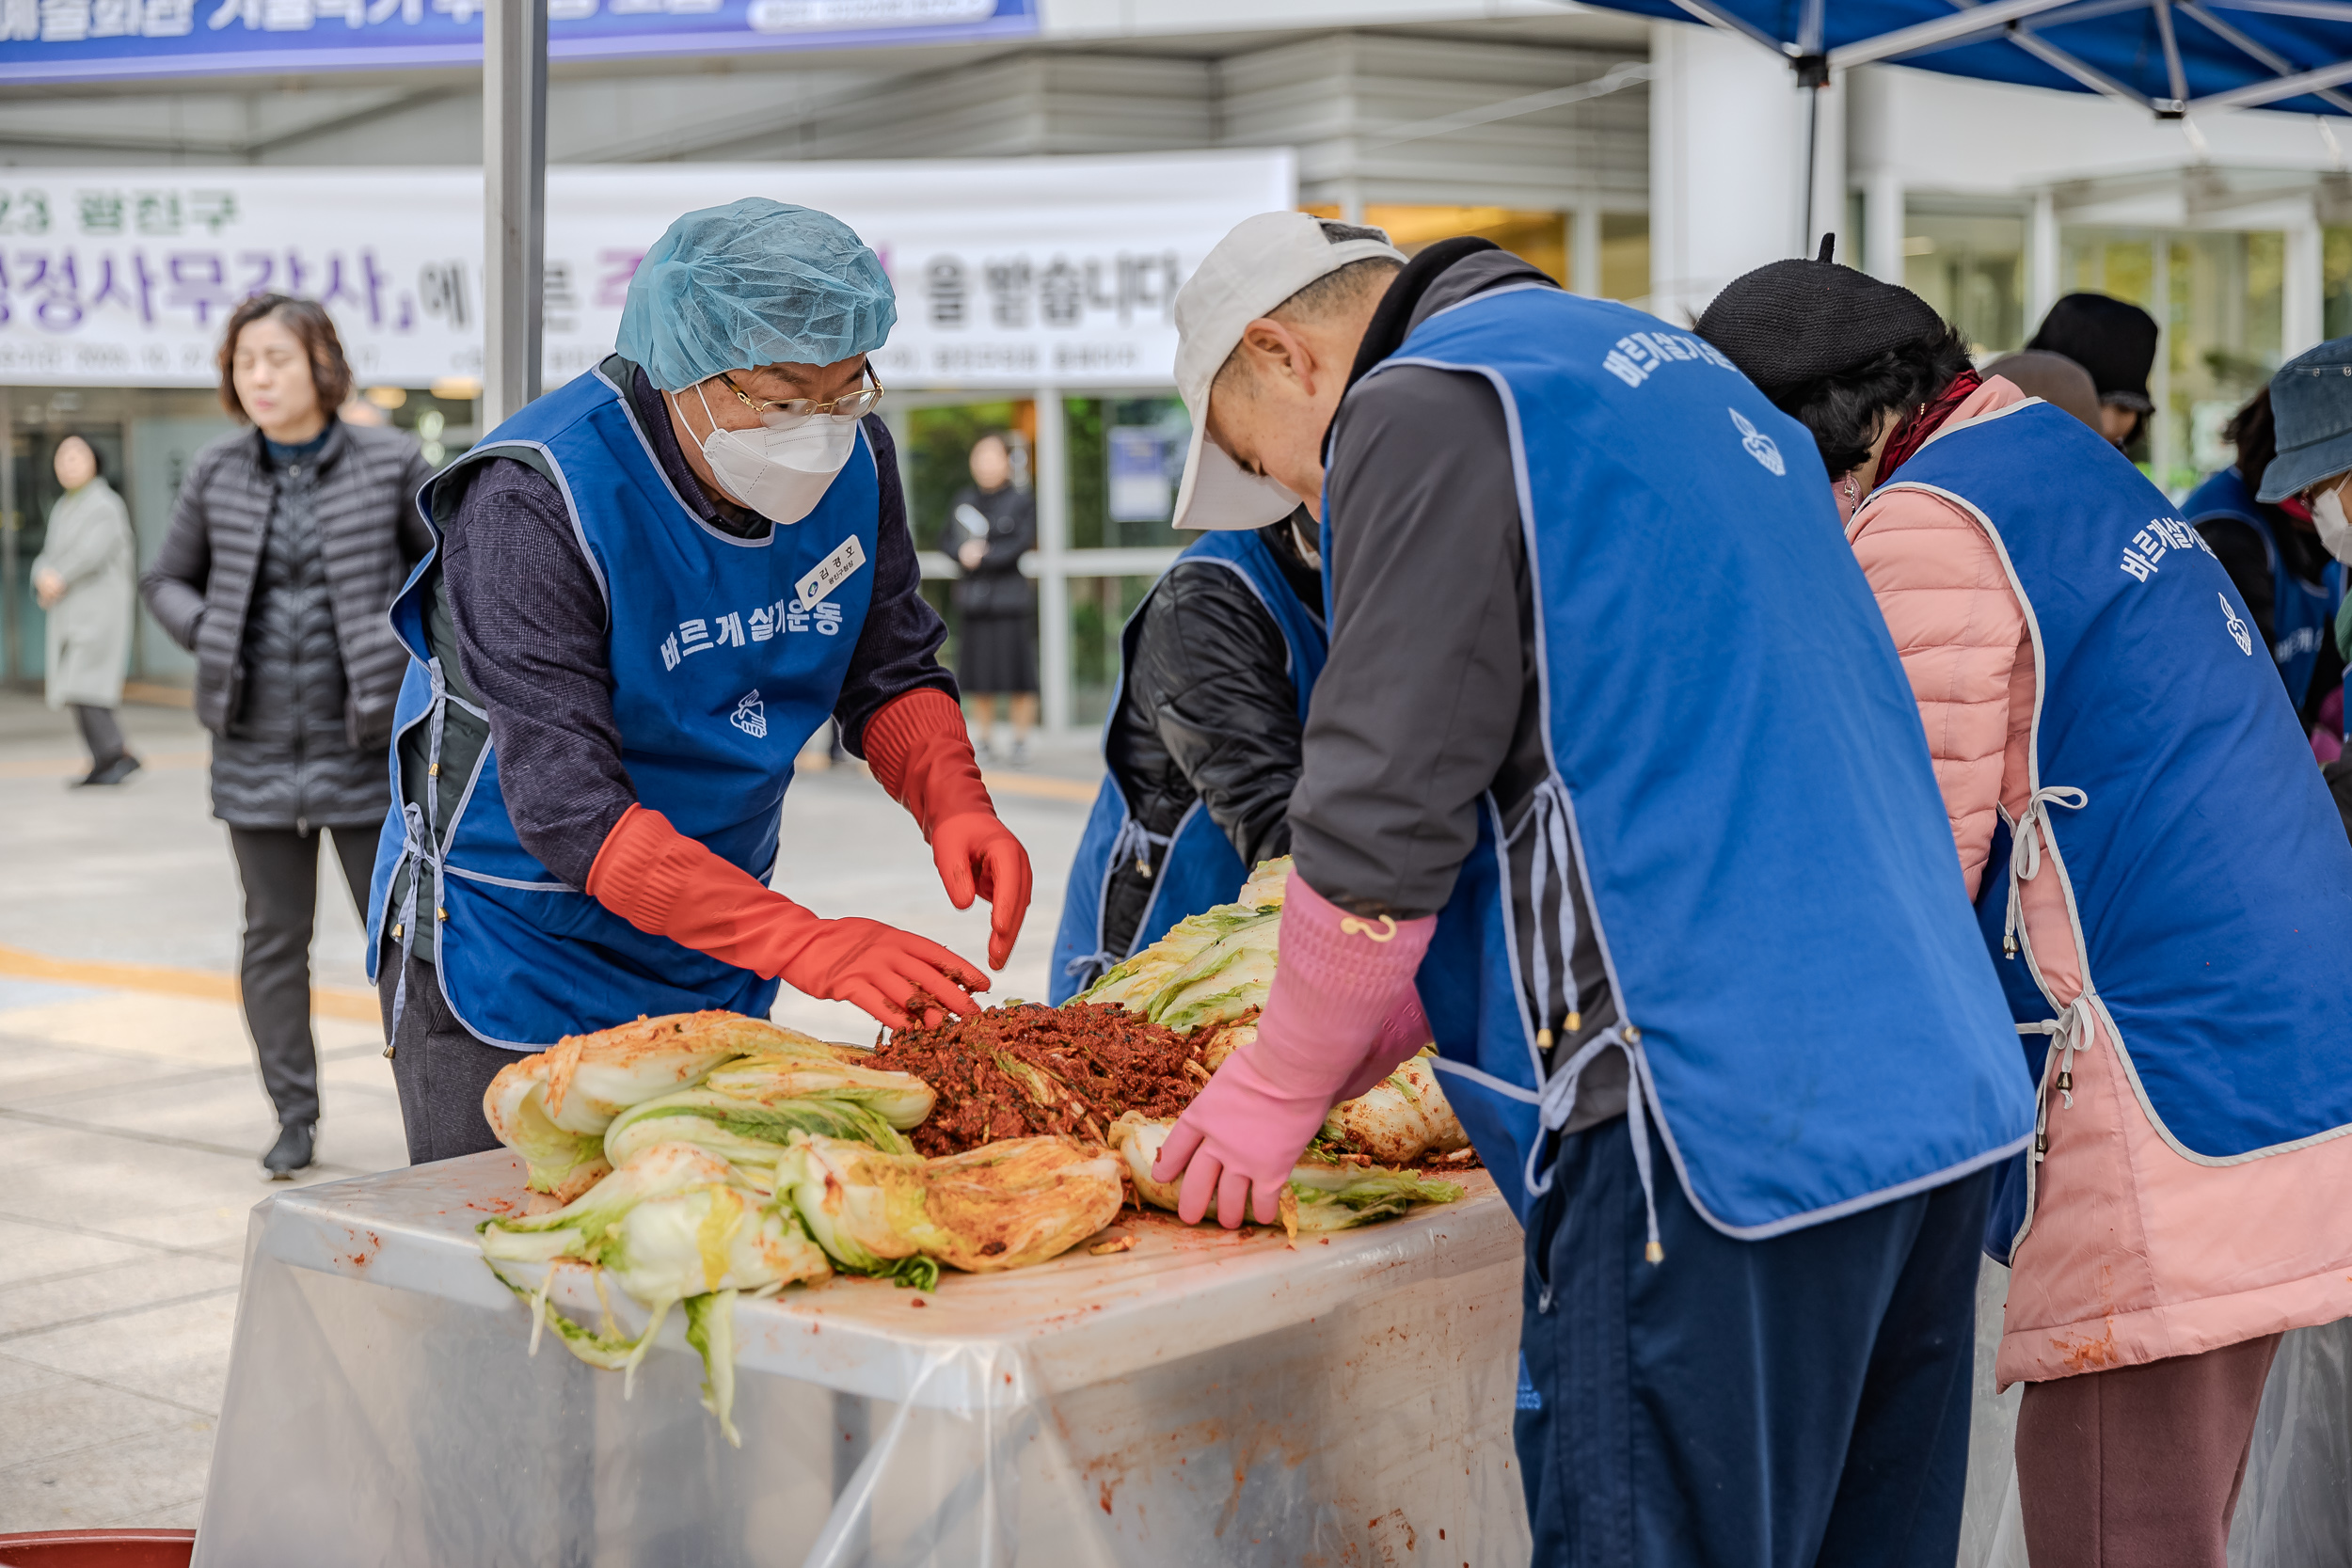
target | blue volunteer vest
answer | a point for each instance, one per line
(1738, 762)
(1194, 867)
(2302, 617)
(721, 670)
(2174, 797)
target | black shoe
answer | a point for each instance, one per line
(112, 772)
(297, 1141)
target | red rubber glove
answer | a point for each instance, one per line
(664, 883)
(921, 755)
(1336, 989)
(1402, 1035)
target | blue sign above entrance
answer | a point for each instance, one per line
(70, 40)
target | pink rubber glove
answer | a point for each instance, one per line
(1336, 987)
(1402, 1035)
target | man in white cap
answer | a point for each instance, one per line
(1200, 750)
(1614, 764)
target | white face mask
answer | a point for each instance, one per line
(2335, 529)
(781, 474)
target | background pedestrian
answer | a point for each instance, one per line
(82, 578)
(2291, 586)
(286, 546)
(2055, 379)
(993, 524)
(2307, 438)
(2114, 340)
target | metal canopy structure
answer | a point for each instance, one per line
(2171, 59)
(514, 202)
(2168, 58)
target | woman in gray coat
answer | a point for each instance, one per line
(83, 580)
(286, 546)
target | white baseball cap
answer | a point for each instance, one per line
(1263, 262)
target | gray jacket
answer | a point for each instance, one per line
(89, 632)
(278, 578)
(1431, 700)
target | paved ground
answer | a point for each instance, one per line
(132, 1118)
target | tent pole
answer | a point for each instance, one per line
(1812, 76)
(514, 201)
(11, 649)
(1812, 150)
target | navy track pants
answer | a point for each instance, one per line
(1786, 1402)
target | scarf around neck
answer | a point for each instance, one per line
(1924, 422)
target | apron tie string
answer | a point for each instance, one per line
(1548, 820)
(2024, 858)
(414, 858)
(420, 844)
(1134, 842)
(1138, 842)
(2069, 1032)
(1558, 1102)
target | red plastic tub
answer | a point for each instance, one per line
(99, 1549)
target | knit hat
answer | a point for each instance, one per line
(2114, 340)
(1789, 323)
(2052, 378)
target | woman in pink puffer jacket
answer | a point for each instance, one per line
(2152, 1277)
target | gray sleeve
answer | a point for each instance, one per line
(1415, 712)
(95, 530)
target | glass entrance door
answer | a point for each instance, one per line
(2218, 298)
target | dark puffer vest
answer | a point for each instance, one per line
(277, 577)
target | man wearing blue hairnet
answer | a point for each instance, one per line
(650, 588)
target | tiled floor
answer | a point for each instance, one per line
(132, 1121)
(129, 1130)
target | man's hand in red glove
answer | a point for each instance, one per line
(880, 968)
(975, 853)
(664, 883)
(921, 755)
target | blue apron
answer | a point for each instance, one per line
(1738, 775)
(721, 671)
(2302, 617)
(2175, 797)
(1194, 867)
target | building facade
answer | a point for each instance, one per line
(1644, 162)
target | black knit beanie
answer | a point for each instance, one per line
(2112, 339)
(1790, 323)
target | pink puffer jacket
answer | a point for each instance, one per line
(2133, 1254)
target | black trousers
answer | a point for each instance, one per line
(1799, 1401)
(100, 734)
(279, 869)
(440, 1068)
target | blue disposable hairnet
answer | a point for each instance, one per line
(752, 283)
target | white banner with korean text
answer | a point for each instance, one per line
(1009, 273)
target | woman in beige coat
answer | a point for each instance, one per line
(83, 577)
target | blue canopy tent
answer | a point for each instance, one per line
(2171, 58)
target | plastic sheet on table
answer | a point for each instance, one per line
(2295, 1507)
(1199, 1397)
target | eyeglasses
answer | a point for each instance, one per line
(776, 413)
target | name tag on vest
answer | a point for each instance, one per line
(832, 572)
